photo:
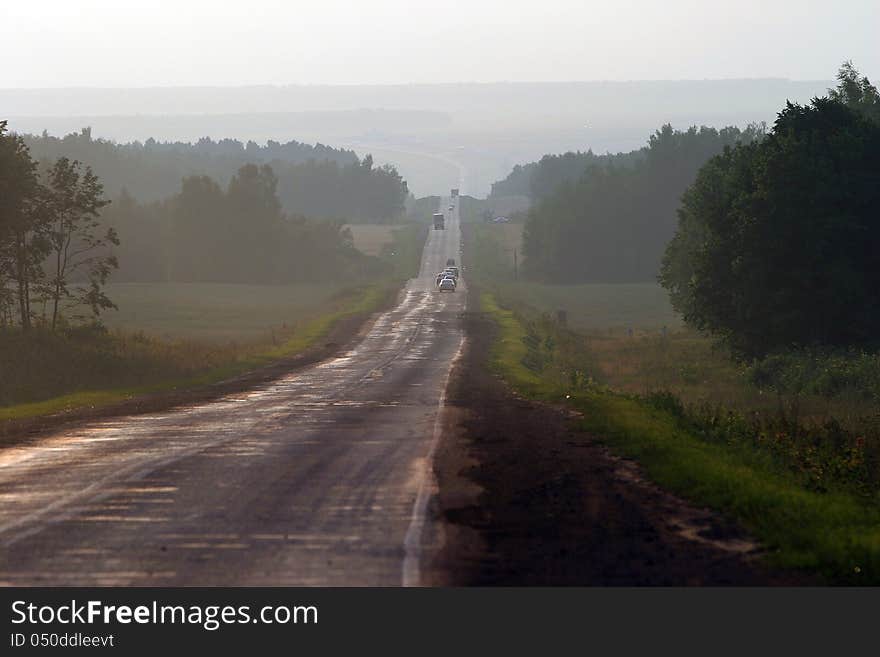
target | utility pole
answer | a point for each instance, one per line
(514, 264)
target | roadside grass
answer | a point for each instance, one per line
(216, 313)
(682, 409)
(46, 373)
(833, 533)
(404, 252)
(169, 337)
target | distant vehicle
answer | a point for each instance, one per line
(447, 285)
(450, 262)
(439, 221)
(501, 220)
(453, 271)
(451, 208)
(454, 192)
(440, 277)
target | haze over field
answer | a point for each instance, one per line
(443, 92)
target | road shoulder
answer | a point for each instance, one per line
(524, 498)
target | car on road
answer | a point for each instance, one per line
(453, 271)
(447, 285)
(450, 262)
(440, 277)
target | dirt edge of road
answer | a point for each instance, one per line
(524, 498)
(344, 334)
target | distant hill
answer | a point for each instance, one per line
(433, 132)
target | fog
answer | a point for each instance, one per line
(109, 43)
(451, 93)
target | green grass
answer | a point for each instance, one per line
(47, 373)
(834, 534)
(214, 312)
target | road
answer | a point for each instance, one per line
(318, 478)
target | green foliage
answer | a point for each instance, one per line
(602, 219)
(856, 92)
(53, 246)
(78, 242)
(828, 374)
(776, 242)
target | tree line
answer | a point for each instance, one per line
(152, 170)
(314, 180)
(239, 233)
(608, 218)
(540, 179)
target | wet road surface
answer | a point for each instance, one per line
(317, 478)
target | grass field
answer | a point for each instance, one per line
(371, 239)
(214, 312)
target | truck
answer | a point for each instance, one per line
(439, 221)
(454, 192)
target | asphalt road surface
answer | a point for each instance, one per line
(318, 478)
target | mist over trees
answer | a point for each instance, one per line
(608, 218)
(539, 179)
(152, 170)
(315, 181)
(778, 241)
(239, 234)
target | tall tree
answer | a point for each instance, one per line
(778, 242)
(856, 92)
(79, 243)
(22, 246)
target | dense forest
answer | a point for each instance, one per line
(608, 218)
(315, 181)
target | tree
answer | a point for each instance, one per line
(253, 230)
(78, 245)
(197, 227)
(856, 92)
(22, 246)
(778, 242)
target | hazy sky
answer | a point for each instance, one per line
(112, 43)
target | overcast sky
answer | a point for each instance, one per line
(114, 43)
